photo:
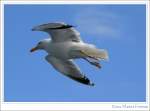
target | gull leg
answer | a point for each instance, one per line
(93, 63)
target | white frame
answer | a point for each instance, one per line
(75, 105)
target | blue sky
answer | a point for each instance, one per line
(121, 29)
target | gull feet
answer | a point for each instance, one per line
(95, 63)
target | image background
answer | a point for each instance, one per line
(120, 29)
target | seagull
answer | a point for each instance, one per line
(63, 46)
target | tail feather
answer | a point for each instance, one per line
(97, 53)
(103, 54)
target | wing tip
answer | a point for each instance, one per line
(52, 26)
(91, 84)
(83, 80)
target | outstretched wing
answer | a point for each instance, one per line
(69, 69)
(59, 32)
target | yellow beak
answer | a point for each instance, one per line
(33, 49)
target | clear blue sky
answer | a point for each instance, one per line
(118, 28)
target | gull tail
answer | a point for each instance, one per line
(102, 54)
(96, 53)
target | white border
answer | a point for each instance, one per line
(75, 105)
(74, 2)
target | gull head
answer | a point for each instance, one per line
(41, 45)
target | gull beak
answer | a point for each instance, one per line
(34, 49)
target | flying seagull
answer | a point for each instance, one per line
(65, 45)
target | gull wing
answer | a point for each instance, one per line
(69, 69)
(60, 32)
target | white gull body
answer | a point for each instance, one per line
(64, 46)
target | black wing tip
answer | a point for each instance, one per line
(32, 29)
(62, 26)
(83, 80)
(91, 84)
(66, 26)
(36, 29)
